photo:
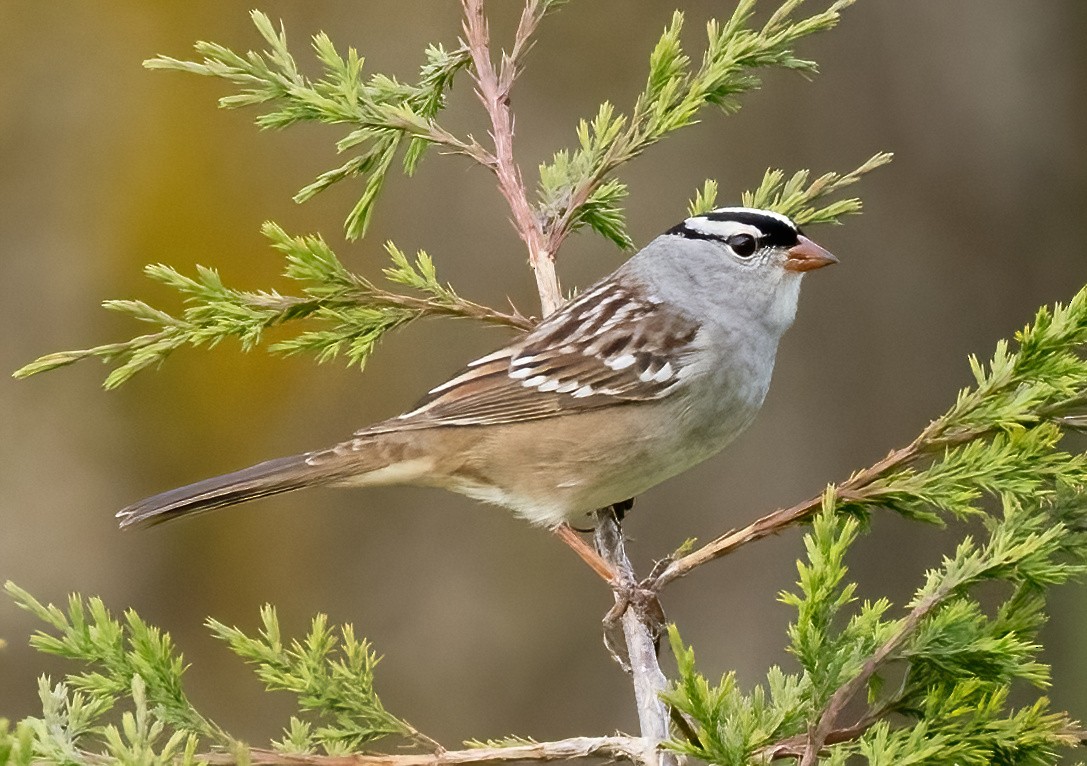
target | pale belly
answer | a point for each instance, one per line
(562, 473)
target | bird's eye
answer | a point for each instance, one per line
(744, 245)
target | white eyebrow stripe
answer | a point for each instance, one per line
(756, 211)
(721, 229)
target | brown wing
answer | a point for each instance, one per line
(612, 344)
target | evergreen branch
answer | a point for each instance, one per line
(978, 657)
(704, 200)
(121, 652)
(354, 312)
(383, 113)
(674, 94)
(960, 662)
(138, 738)
(999, 437)
(795, 197)
(817, 736)
(139, 352)
(333, 677)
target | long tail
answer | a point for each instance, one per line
(366, 460)
(268, 478)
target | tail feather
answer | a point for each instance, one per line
(268, 478)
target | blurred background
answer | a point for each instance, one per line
(488, 626)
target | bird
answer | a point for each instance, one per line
(644, 374)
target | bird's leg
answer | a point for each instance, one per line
(587, 553)
(590, 556)
(621, 509)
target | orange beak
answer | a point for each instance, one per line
(805, 255)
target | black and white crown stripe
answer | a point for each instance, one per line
(769, 228)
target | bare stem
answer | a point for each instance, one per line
(817, 735)
(436, 134)
(775, 522)
(641, 619)
(794, 747)
(371, 296)
(576, 748)
(493, 88)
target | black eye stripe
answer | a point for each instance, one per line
(681, 230)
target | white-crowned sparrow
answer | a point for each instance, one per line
(646, 373)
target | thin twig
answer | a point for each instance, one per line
(430, 130)
(370, 296)
(793, 747)
(602, 748)
(459, 308)
(775, 522)
(421, 739)
(493, 90)
(935, 437)
(531, 17)
(817, 735)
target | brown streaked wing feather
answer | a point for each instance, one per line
(612, 344)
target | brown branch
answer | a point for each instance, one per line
(531, 16)
(459, 308)
(429, 130)
(940, 434)
(630, 749)
(493, 90)
(935, 437)
(793, 747)
(852, 489)
(817, 736)
(371, 296)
